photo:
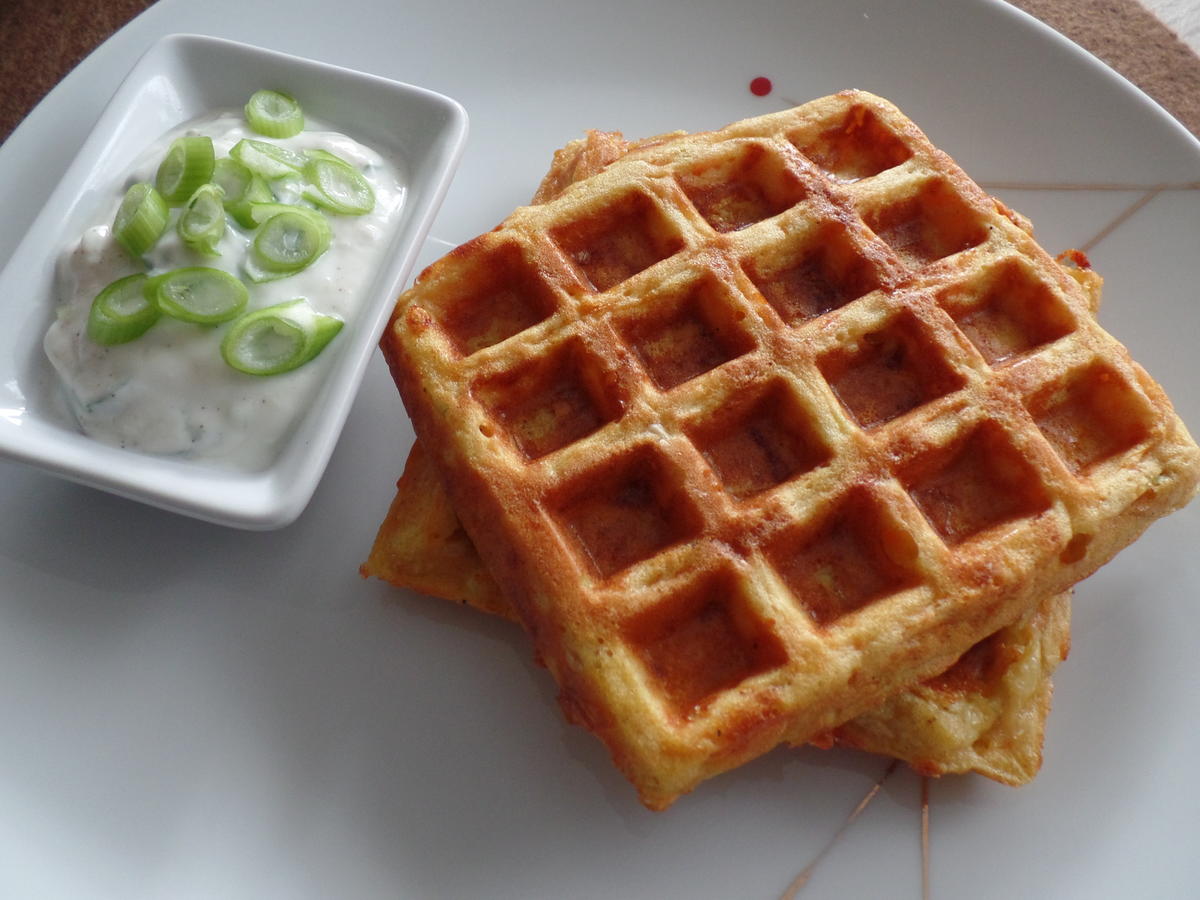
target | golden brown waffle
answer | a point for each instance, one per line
(985, 714)
(834, 492)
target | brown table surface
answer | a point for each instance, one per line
(43, 41)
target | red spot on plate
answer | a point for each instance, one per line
(760, 86)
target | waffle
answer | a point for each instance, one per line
(756, 428)
(985, 714)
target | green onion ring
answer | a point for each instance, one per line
(274, 114)
(268, 160)
(291, 239)
(188, 164)
(121, 312)
(141, 219)
(338, 186)
(278, 338)
(199, 294)
(201, 225)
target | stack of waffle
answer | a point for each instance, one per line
(782, 433)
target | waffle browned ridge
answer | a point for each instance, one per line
(831, 491)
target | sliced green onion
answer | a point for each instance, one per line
(199, 294)
(187, 165)
(141, 218)
(121, 313)
(232, 178)
(338, 186)
(322, 153)
(274, 114)
(260, 267)
(257, 192)
(290, 240)
(261, 212)
(202, 222)
(268, 160)
(278, 338)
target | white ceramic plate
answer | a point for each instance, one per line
(179, 79)
(196, 712)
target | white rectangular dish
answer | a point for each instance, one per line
(178, 79)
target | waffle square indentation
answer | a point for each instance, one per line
(890, 372)
(856, 556)
(704, 640)
(686, 332)
(625, 511)
(552, 400)
(1094, 417)
(732, 194)
(494, 299)
(930, 225)
(975, 484)
(625, 237)
(982, 665)
(821, 275)
(859, 147)
(758, 441)
(1012, 314)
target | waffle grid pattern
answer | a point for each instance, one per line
(724, 401)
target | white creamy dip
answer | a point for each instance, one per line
(169, 392)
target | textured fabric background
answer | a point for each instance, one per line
(44, 39)
(1127, 36)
